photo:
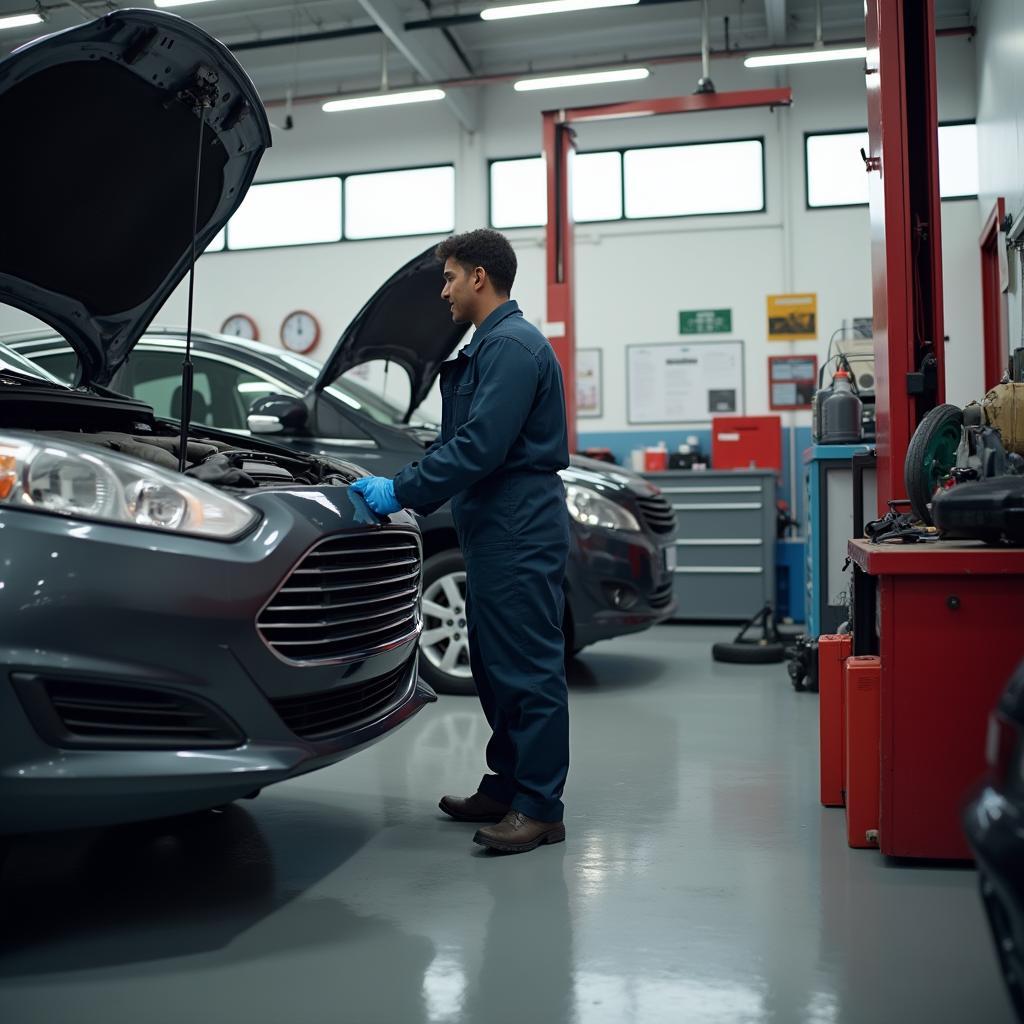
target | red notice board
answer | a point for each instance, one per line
(792, 381)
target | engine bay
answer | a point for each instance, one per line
(129, 427)
(216, 462)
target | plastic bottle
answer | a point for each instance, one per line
(838, 413)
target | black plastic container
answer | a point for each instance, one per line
(837, 413)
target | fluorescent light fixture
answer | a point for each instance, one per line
(549, 7)
(20, 20)
(774, 60)
(585, 78)
(384, 99)
(177, 3)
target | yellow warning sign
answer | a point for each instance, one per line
(793, 317)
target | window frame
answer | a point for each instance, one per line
(622, 150)
(859, 131)
(343, 176)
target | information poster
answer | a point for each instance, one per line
(588, 382)
(793, 317)
(684, 383)
(792, 381)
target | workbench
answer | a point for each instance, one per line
(946, 618)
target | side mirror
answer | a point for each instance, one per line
(278, 414)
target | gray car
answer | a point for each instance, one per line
(173, 638)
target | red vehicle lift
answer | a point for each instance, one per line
(558, 143)
(906, 237)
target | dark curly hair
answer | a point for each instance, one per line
(483, 248)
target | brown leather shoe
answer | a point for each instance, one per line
(516, 833)
(478, 807)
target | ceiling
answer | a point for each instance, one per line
(326, 47)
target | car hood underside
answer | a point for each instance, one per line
(103, 124)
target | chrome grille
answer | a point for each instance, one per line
(316, 716)
(657, 514)
(348, 597)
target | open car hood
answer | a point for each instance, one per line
(407, 322)
(101, 125)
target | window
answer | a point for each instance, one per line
(835, 168)
(287, 213)
(218, 241)
(596, 186)
(701, 178)
(63, 365)
(518, 193)
(958, 160)
(414, 202)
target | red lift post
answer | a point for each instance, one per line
(906, 237)
(946, 610)
(558, 137)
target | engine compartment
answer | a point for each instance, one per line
(129, 427)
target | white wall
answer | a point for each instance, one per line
(1000, 72)
(633, 278)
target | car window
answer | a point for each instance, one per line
(63, 365)
(155, 378)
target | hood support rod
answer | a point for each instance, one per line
(203, 100)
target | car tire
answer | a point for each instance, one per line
(444, 577)
(750, 653)
(930, 456)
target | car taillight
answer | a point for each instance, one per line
(1000, 745)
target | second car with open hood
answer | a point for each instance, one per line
(180, 624)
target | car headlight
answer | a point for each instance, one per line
(591, 509)
(88, 483)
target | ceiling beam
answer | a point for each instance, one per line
(775, 15)
(430, 55)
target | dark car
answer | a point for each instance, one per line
(994, 822)
(622, 558)
(171, 640)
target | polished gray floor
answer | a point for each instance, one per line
(701, 882)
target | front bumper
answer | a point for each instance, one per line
(995, 832)
(603, 563)
(122, 607)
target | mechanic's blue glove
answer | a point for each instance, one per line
(379, 493)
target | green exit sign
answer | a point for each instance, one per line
(705, 321)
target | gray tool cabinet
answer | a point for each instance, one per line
(725, 540)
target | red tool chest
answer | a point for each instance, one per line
(746, 442)
(949, 616)
(833, 650)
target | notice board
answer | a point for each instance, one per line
(685, 382)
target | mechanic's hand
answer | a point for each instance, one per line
(378, 492)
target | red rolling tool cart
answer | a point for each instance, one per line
(949, 618)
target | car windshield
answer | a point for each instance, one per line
(354, 395)
(14, 363)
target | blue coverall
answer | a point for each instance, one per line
(503, 441)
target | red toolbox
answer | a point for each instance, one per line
(746, 442)
(833, 650)
(863, 676)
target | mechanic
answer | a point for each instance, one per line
(503, 441)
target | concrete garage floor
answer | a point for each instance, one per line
(701, 882)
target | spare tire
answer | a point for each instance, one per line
(749, 653)
(930, 456)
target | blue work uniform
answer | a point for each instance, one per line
(503, 441)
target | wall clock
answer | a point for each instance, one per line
(240, 325)
(300, 331)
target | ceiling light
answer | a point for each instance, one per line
(587, 78)
(20, 20)
(178, 3)
(549, 7)
(816, 56)
(384, 99)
